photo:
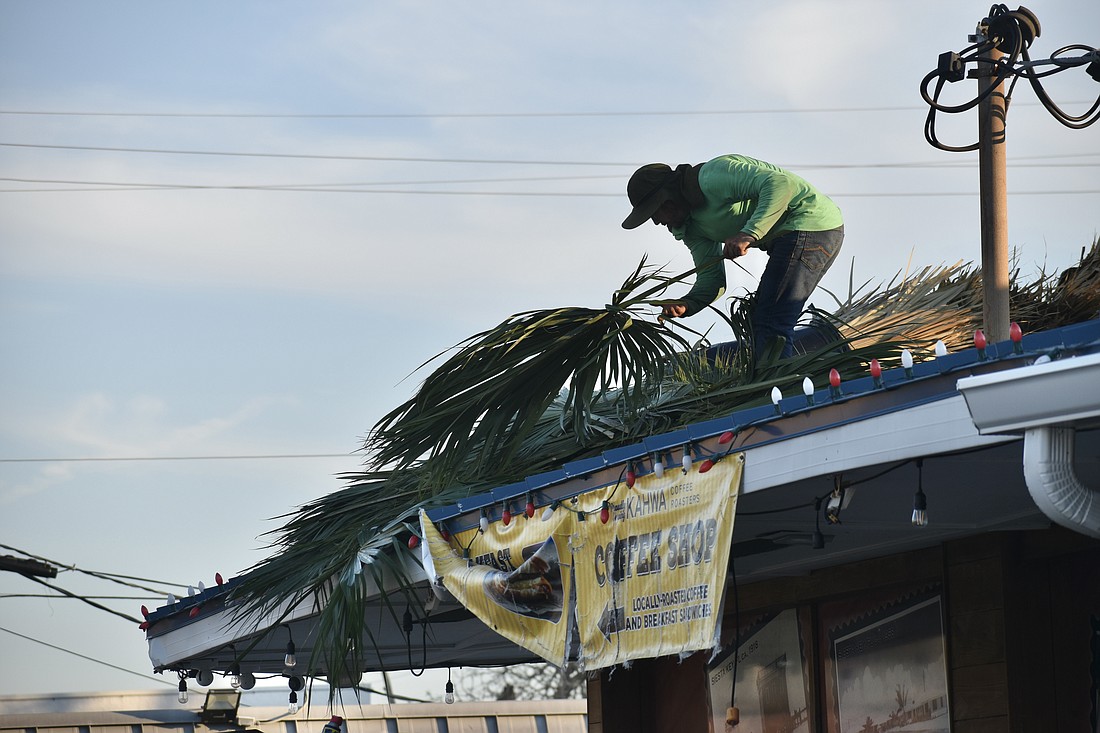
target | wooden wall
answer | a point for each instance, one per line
(1017, 609)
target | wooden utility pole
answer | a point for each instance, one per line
(994, 199)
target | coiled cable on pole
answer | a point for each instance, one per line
(1011, 32)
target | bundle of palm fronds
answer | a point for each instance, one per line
(547, 387)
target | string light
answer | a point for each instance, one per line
(980, 343)
(182, 696)
(907, 363)
(834, 383)
(777, 394)
(659, 467)
(449, 690)
(506, 516)
(483, 523)
(876, 373)
(548, 512)
(605, 513)
(631, 476)
(941, 349)
(529, 510)
(808, 390)
(686, 461)
(920, 501)
(290, 661)
(1017, 335)
(295, 683)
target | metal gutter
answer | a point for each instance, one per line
(1047, 401)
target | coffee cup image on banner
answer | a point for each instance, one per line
(533, 589)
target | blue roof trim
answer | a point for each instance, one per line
(539, 480)
(585, 466)
(1077, 335)
(509, 491)
(623, 454)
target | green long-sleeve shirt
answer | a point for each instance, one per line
(743, 195)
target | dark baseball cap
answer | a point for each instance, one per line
(647, 189)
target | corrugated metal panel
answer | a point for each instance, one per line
(553, 716)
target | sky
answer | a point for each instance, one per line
(231, 232)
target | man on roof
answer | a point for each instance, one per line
(726, 206)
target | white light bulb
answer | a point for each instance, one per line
(235, 680)
(941, 349)
(293, 706)
(202, 587)
(170, 599)
(687, 459)
(906, 359)
(547, 513)
(807, 386)
(659, 468)
(483, 523)
(182, 696)
(449, 695)
(190, 591)
(777, 394)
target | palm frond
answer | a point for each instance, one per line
(547, 387)
(488, 396)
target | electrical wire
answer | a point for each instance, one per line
(90, 659)
(1010, 32)
(112, 577)
(457, 115)
(245, 457)
(85, 599)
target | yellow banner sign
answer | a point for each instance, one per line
(648, 582)
(516, 578)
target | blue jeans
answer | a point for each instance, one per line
(796, 263)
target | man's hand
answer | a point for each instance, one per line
(674, 310)
(737, 245)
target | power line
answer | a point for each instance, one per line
(477, 115)
(85, 599)
(363, 186)
(521, 195)
(312, 156)
(54, 596)
(112, 577)
(90, 659)
(91, 459)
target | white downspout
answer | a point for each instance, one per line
(1048, 471)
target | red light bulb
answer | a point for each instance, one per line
(876, 369)
(445, 535)
(834, 378)
(605, 513)
(1015, 332)
(529, 510)
(193, 612)
(218, 578)
(414, 541)
(706, 465)
(506, 517)
(979, 339)
(725, 437)
(144, 611)
(631, 477)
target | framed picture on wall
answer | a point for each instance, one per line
(771, 678)
(886, 665)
